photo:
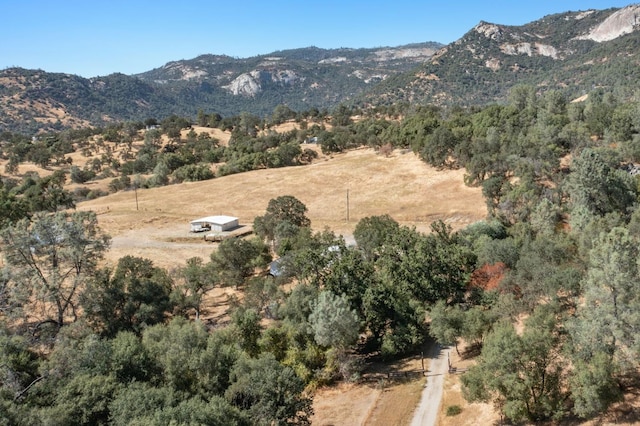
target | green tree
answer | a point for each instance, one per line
(192, 411)
(84, 400)
(48, 193)
(130, 359)
(394, 317)
(350, 275)
(40, 154)
(193, 173)
(51, 258)
(594, 385)
(417, 126)
(598, 186)
(176, 348)
(478, 321)
(282, 113)
(311, 257)
(248, 124)
(285, 208)
(139, 401)
(297, 306)
(76, 350)
(604, 335)
(521, 374)
(286, 154)
(142, 403)
(264, 295)
(341, 116)
(598, 112)
(271, 393)
(275, 339)
(248, 329)
(160, 175)
(430, 267)
(547, 269)
(371, 233)
(446, 324)
(333, 322)
(79, 175)
(236, 260)
(12, 208)
(19, 366)
(192, 281)
(134, 296)
(439, 148)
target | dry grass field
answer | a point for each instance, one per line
(414, 194)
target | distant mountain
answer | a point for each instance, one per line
(574, 52)
(301, 78)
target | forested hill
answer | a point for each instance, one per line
(302, 79)
(574, 52)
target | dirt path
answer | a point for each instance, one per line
(427, 412)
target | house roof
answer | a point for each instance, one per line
(217, 220)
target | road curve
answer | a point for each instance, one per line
(427, 412)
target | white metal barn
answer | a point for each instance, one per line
(214, 223)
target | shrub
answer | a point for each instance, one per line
(453, 410)
(79, 175)
(192, 173)
(80, 193)
(95, 193)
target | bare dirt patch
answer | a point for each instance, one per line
(396, 403)
(344, 404)
(386, 395)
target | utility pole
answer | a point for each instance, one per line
(347, 204)
(135, 190)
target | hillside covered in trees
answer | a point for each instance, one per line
(554, 329)
(573, 52)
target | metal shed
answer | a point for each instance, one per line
(214, 223)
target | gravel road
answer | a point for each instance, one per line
(427, 412)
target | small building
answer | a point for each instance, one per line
(276, 267)
(214, 223)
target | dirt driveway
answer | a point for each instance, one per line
(427, 412)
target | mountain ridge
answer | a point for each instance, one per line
(574, 51)
(300, 78)
(551, 53)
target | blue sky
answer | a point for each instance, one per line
(99, 37)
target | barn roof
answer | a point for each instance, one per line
(217, 220)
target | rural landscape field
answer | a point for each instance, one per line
(399, 185)
(419, 235)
